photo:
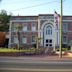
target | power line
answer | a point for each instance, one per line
(33, 6)
(8, 3)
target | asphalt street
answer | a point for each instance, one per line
(17, 64)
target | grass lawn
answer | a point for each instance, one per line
(63, 49)
(16, 50)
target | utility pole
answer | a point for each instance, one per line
(60, 55)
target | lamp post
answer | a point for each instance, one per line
(60, 54)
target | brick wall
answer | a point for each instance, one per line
(28, 34)
(2, 38)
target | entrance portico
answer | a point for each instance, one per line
(48, 34)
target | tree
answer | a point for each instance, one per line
(4, 21)
(37, 41)
(18, 28)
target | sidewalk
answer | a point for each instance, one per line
(64, 57)
(46, 57)
(43, 57)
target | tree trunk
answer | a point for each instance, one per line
(18, 40)
(37, 44)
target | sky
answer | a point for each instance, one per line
(35, 7)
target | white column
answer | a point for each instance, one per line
(39, 30)
(54, 33)
(9, 45)
(38, 27)
(58, 37)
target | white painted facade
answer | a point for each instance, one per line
(53, 36)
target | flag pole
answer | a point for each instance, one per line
(60, 54)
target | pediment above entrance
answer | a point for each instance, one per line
(45, 23)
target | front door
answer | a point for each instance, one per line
(48, 43)
(48, 35)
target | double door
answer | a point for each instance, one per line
(48, 42)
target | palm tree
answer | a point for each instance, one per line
(37, 41)
(18, 28)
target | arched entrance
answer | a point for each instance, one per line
(47, 33)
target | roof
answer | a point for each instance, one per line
(46, 14)
(23, 17)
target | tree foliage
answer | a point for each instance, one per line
(4, 21)
(19, 27)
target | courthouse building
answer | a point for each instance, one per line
(44, 26)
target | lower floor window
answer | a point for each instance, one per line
(50, 45)
(64, 39)
(15, 40)
(46, 44)
(33, 39)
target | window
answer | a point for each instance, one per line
(50, 45)
(49, 30)
(46, 40)
(64, 39)
(46, 45)
(15, 39)
(24, 39)
(33, 26)
(25, 27)
(33, 38)
(50, 41)
(14, 26)
(64, 27)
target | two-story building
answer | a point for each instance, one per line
(42, 26)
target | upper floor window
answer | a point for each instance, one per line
(16, 26)
(48, 30)
(25, 27)
(13, 27)
(33, 26)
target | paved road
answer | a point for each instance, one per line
(17, 64)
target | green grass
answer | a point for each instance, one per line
(63, 49)
(16, 50)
